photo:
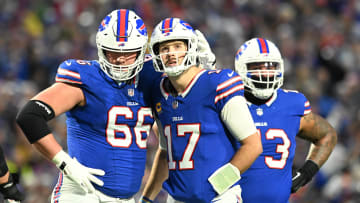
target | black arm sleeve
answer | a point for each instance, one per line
(32, 119)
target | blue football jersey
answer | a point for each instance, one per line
(198, 142)
(110, 131)
(278, 121)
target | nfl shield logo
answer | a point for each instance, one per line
(259, 111)
(175, 104)
(131, 92)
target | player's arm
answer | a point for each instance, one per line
(237, 118)
(33, 118)
(323, 139)
(49, 103)
(159, 171)
(8, 186)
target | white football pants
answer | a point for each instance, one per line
(67, 191)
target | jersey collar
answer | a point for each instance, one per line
(187, 89)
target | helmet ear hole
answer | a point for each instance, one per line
(156, 49)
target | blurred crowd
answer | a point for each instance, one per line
(319, 41)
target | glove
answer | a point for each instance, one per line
(231, 195)
(77, 172)
(303, 175)
(206, 57)
(10, 191)
(224, 177)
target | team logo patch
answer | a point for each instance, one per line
(259, 111)
(158, 107)
(104, 23)
(140, 26)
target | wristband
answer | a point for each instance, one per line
(310, 168)
(223, 178)
(61, 159)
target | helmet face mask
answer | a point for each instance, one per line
(168, 31)
(122, 31)
(259, 63)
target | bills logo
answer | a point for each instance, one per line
(241, 50)
(140, 26)
(121, 44)
(104, 23)
(185, 24)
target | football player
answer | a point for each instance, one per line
(108, 116)
(8, 187)
(202, 115)
(279, 115)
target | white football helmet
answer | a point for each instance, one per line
(121, 31)
(174, 29)
(262, 83)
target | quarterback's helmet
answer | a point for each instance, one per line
(268, 74)
(121, 31)
(173, 29)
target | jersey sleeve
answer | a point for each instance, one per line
(301, 104)
(228, 85)
(68, 73)
(307, 107)
(237, 118)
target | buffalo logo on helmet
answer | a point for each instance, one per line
(140, 26)
(104, 23)
(186, 25)
(241, 50)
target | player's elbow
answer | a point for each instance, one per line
(257, 145)
(254, 143)
(32, 119)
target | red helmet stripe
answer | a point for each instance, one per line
(167, 23)
(263, 45)
(123, 16)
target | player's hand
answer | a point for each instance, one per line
(224, 177)
(303, 175)
(79, 173)
(231, 195)
(206, 57)
(10, 191)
